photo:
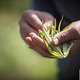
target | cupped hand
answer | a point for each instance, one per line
(30, 23)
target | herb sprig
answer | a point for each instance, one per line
(47, 33)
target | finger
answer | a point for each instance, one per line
(25, 29)
(42, 51)
(37, 48)
(46, 18)
(38, 41)
(35, 18)
(66, 35)
(29, 42)
(34, 46)
(32, 19)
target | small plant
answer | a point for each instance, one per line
(47, 33)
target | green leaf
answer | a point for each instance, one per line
(56, 54)
(60, 24)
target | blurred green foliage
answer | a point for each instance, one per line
(17, 61)
(16, 5)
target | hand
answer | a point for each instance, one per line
(30, 23)
(72, 34)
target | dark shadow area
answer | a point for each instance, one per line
(69, 68)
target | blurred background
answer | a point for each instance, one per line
(17, 61)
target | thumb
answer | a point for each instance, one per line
(66, 35)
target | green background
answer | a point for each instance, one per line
(17, 61)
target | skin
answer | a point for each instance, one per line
(31, 22)
(72, 34)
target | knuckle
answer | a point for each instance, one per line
(50, 17)
(62, 36)
(48, 14)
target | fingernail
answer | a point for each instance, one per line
(28, 42)
(55, 40)
(32, 34)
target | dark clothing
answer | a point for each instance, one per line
(70, 9)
